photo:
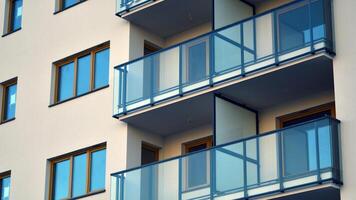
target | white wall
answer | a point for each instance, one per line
(345, 87)
(233, 122)
(41, 132)
(230, 11)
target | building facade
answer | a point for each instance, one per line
(177, 99)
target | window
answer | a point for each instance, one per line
(196, 172)
(9, 89)
(5, 186)
(149, 153)
(14, 15)
(78, 174)
(64, 4)
(82, 73)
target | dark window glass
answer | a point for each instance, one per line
(61, 180)
(68, 3)
(148, 155)
(101, 68)
(84, 78)
(5, 188)
(79, 175)
(66, 81)
(16, 15)
(10, 102)
(98, 163)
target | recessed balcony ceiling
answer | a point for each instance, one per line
(169, 17)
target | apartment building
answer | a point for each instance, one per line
(177, 99)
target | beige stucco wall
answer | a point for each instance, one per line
(268, 5)
(40, 132)
(138, 35)
(230, 11)
(173, 143)
(345, 87)
(188, 34)
(135, 138)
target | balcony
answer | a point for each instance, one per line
(300, 156)
(289, 33)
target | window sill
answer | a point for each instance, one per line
(72, 98)
(11, 32)
(6, 121)
(61, 10)
(89, 194)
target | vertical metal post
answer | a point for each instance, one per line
(180, 182)
(245, 169)
(335, 152)
(119, 88)
(311, 27)
(124, 90)
(317, 151)
(258, 160)
(180, 86)
(122, 187)
(254, 40)
(212, 59)
(212, 173)
(118, 187)
(152, 80)
(242, 49)
(275, 37)
(280, 160)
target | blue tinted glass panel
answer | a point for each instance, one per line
(101, 68)
(83, 80)
(5, 188)
(197, 62)
(98, 163)
(16, 17)
(68, 3)
(293, 28)
(61, 180)
(79, 175)
(66, 81)
(10, 102)
(295, 148)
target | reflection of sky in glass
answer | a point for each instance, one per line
(66, 79)
(83, 75)
(61, 180)
(10, 102)
(16, 15)
(98, 163)
(101, 68)
(68, 3)
(79, 175)
(5, 189)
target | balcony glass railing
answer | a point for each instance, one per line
(280, 35)
(298, 156)
(123, 6)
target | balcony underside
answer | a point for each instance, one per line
(275, 87)
(161, 18)
(325, 193)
